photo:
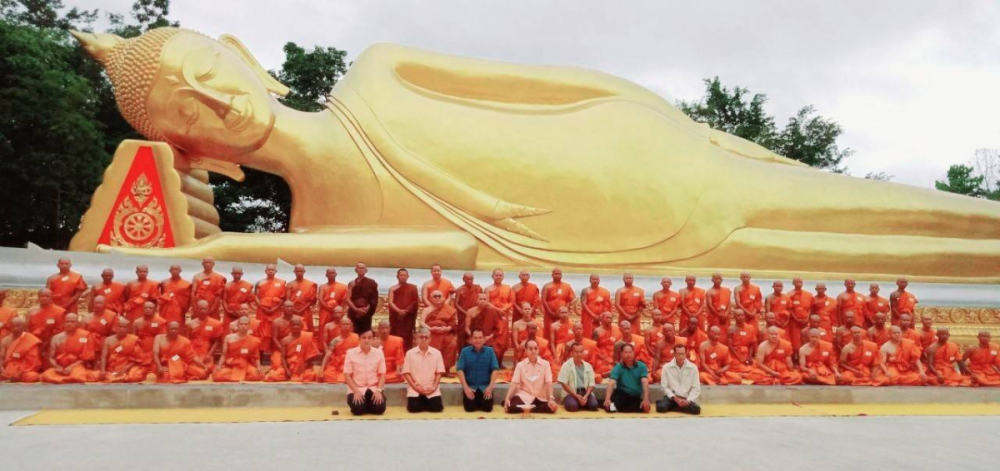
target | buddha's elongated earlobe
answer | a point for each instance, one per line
(272, 84)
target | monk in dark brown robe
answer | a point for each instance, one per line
(403, 302)
(362, 299)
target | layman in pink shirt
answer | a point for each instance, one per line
(531, 385)
(422, 370)
(364, 373)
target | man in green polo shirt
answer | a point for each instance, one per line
(628, 390)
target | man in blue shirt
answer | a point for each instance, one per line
(628, 390)
(477, 370)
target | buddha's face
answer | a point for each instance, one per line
(207, 101)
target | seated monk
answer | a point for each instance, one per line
(100, 321)
(984, 363)
(638, 343)
(147, 328)
(742, 344)
(240, 360)
(861, 361)
(773, 361)
(205, 333)
(6, 314)
(817, 362)
(695, 335)
(664, 349)
(902, 360)
(927, 333)
(843, 335)
(298, 350)
(174, 357)
(944, 360)
(771, 320)
(281, 328)
(525, 313)
(906, 327)
(332, 329)
(562, 331)
(336, 352)
(46, 320)
(250, 313)
(20, 358)
(483, 318)
(816, 322)
(878, 332)
(121, 356)
(441, 319)
(69, 353)
(715, 361)
(392, 349)
(653, 333)
(606, 335)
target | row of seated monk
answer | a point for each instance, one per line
(743, 341)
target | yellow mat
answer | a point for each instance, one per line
(323, 414)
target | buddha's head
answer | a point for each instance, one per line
(206, 97)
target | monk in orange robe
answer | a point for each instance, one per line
(331, 295)
(70, 352)
(748, 298)
(874, 304)
(175, 296)
(926, 335)
(984, 362)
(174, 357)
(693, 304)
(147, 328)
(20, 355)
(715, 361)
(336, 353)
(562, 332)
(436, 283)
(555, 295)
(606, 335)
(780, 304)
(501, 304)
(668, 302)
(237, 293)
(519, 329)
(594, 300)
(46, 320)
(630, 300)
(802, 302)
(465, 298)
(281, 328)
(742, 345)
(878, 332)
(902, 301)
(531, 333)
(112, 291)
(298, 350)
(773, 362)
(526, 292)
(664, 349)
(826, 308)
(302, 293)
(205, 333)
(843, 335)
(121, 356)
(6, 315)
(100, 322)
(653, 333)
(249, 313)
(909, 333)
(861, 361)
(269, 294)
(240, 360)
(850, 301)
(441, 319)
(332, 329)
(695, 336)
(483, 318)
(392, 350)
(402, 304)
(816, 323)
(818, 362)
(209, 286)
(718, 307)
(943, 356)
(66, 286)
(139, 292)
(770, 320)
(902, 360)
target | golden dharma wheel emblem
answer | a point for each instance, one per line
(139, 220)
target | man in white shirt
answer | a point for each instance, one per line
(681, 385)
(577, 380)
(422, 370)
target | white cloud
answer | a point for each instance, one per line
(912, 82)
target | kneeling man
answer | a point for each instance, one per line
(681, 384)
(422, 370)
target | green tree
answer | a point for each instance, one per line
(806, 137)
(263, 202)
(51, 144)
(961, 179)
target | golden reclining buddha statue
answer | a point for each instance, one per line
(421, 157)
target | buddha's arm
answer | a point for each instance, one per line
(377, 246)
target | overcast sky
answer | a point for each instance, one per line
(913, 83)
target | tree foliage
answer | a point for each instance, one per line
(962, 180)
(806, 137)
(979, 179)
